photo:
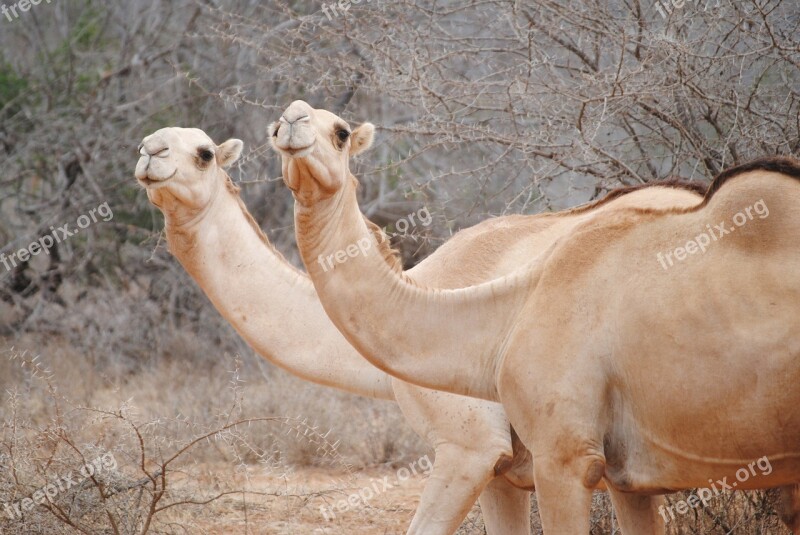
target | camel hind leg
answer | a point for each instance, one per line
(457, 478)
(638, 514)
(505, 508)
(789, 507)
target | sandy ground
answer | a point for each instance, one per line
(291, 503)
(295, 502)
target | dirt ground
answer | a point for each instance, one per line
(291, 503)
(294, 504)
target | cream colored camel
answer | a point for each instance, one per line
(609, 365)
(274, 307)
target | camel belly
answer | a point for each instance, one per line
(707, 382)
(662, 443)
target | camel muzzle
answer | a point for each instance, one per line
(295, 135)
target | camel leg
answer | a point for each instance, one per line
(789, 507)
(638, 514)
(564, 492)
(505, 508)
(457, 478)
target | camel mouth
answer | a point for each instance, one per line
(297, 152)
(298, 142)
(150, 182)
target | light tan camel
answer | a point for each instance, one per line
(274, 307)
(610, 366)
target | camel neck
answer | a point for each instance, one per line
(447, 340)
(272, 305)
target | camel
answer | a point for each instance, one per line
(273, 306)
(601, 384)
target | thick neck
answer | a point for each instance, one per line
(447, 340)
(271, 305)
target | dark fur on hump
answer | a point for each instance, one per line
(785, 165)
(676, 183)
(776, 164)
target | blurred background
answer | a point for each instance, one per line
(482, 108)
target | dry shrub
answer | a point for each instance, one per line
(89, 394)
(156, 457)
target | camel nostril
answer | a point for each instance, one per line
(161, 153)
(303, 118)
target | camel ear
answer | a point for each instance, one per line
(361, 138)
(229, 152)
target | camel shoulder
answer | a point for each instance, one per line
(474, 253)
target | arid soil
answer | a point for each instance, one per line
(295, 502)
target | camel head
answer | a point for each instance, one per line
(315, 147)
(182, 169)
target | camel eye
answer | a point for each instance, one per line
(206, 155)
(342, 134)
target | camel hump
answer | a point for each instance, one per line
(776, 164)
